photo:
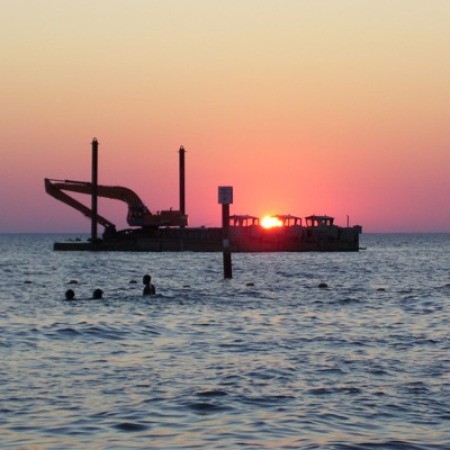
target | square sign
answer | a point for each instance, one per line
(225, 195)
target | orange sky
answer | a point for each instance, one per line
(334, 107)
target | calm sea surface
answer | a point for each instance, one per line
(214, 364)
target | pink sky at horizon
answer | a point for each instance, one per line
(304, 107)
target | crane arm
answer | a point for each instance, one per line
(114, 192)
(138, 213)
(55, 189)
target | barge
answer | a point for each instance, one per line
(246, 234)
(168, 231)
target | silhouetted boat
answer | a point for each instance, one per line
(245, 233)
(167, 230)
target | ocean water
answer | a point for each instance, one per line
(267, 360)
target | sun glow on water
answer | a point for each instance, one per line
(271, 222)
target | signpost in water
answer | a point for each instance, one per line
(225, 199)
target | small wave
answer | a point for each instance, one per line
(268, 400)
(348, 301)
(382, 445)
(206, 407)
(131, 426)
(378, 372)
(105, 332)
(334, 390)
(80, 329)
(212, 393)
(68, 331)
(416, 388)
(331, 371)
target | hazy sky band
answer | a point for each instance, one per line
(336, 107)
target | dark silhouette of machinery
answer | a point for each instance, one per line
(138, 214)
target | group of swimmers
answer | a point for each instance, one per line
(149, 289)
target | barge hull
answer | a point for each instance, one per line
(242, 240)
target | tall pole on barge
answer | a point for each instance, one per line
(182, 151)
(94, 190)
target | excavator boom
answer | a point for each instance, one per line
(55, 188)
(138, 213)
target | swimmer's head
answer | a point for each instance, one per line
(146, 279)
(70, 295)
(98, 293)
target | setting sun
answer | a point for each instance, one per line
(271, 222)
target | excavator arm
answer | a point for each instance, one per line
(138, 213)
(55, 188)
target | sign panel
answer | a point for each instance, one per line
(225, 195)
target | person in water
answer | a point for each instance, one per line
(70, 294)
(149, 288)
(97, 294)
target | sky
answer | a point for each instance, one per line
(337, 107)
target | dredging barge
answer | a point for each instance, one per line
(167, 231)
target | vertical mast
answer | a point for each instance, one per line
(94, 190)
(182, 151)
